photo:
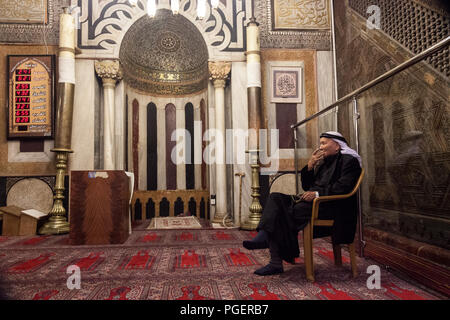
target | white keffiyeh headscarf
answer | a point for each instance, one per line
(345, 149)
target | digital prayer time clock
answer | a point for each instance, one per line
(31, 96)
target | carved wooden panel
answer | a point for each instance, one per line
(162, 198)
(99, 207)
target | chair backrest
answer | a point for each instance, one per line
(283, 183)
(358, 183)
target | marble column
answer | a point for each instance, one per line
(219, 72)
(110, 72)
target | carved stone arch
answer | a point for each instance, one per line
(102, 26)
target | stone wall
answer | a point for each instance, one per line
(404, 142)
(404, 132)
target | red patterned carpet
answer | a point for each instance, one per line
(181, 264)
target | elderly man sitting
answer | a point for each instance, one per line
(333, 168)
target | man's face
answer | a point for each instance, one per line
(329, 147)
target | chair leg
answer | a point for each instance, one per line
(307, 246)
(351, 249)
(337, 255)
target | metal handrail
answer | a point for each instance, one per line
(354, 95)
(428, 52)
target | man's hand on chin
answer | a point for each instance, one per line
(316, 157)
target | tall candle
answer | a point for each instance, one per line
(67, 48)
(66, 82)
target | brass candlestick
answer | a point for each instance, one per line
(57, 223)
(255, 208)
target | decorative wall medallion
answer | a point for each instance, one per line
(286, 83)
(38, 195)
(169, 41)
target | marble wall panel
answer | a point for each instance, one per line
(161, 102)
(307, 59)
(326, 90)
(240, 158)
(83, 123)
(119, 126)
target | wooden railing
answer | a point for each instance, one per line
(176, 201)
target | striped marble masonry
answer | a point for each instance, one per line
(162, 157)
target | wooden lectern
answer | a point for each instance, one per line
(20, 222)
(99, 207)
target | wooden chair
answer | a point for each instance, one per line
(308, 234)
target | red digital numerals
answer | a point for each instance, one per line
(22, 119)
(22, 91)
(23, 71)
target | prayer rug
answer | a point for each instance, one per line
(200, 264)
(166, 223)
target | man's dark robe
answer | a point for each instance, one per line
(283, 218)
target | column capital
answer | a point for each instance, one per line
(109, 70)
(219, 71)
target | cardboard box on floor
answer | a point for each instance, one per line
(20, 222)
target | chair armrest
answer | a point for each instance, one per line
(318, 200)
(331, 198)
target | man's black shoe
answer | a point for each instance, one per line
(269, 270)
(290, 260)
(253, 245)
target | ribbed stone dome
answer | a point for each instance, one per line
(165, 54)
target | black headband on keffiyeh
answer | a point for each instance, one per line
(332, 136)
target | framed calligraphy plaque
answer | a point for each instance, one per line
(31, 96)
(24, 11)
(286, 84)
(301, 14)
